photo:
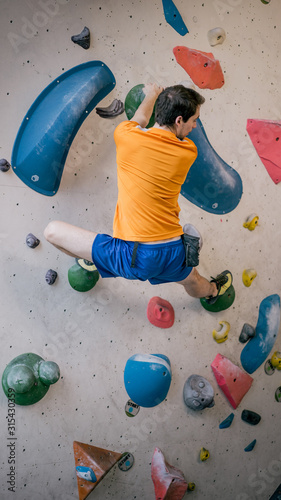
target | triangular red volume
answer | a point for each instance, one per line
(97, 459)
(266, 138)
(233, 381)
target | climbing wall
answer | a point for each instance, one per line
(91, 335)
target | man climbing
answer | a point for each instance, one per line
(148, 241)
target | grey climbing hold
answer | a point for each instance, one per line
(83, 39)
(251, 446)
(250, 417)
(51, 276)
(247, 333)
(4, 165)
(198, 393)
(227, 422)
(216, 36)
(32, 241)
(114, 109)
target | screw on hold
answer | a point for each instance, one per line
(251, 446)
(32, 241)
(4, 165)
(247, 333)
(227, 422)
(250, 417)
(126, 461)
(51, 276)
(268, 368)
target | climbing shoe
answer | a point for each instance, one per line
(223, 281)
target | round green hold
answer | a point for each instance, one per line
(133, 99)
(82, 280)
(26, 379)
(265, 1)
(224, 302)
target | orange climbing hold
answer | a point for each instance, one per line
(92, 464)
(202, 67)
(266, 138)
(169, 482)
(233, 381)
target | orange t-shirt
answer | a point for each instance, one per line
(152, 165)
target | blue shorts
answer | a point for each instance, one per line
(157, 263)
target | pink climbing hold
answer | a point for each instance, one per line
(266, 138)
(202, 67)
(160, 312)
(169, 482)
(233, 381)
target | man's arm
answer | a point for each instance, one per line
(145, 109)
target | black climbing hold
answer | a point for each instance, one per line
(51, 276)
(83, 39)
(32, 241)
(247, 333)
(4, 165)
(250, 417)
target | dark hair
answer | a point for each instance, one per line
(176, 101)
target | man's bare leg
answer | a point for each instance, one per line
(72, 240)
(197, 286)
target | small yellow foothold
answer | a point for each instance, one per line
(248, 276)
(222, 334)
(251, 222)
(204, 454)
(191, 486)
(276, 360)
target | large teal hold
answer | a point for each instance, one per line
(258, 348)
(50, 125)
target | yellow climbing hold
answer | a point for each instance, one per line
(204, 454)
(191, 486)
(251, 222)
(221, 334)
(248, 276)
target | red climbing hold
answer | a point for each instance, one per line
(169, 482)
(98, 460)
(233, 381)
(266, 137)
(160, 312)
(202, 67)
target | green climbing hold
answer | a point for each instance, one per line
(224, 301)
(133, 99)
(82, 280)
(27, 378)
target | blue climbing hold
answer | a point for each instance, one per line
(147, 378)
(251, 446)
(258, 348)
(227, 422)
(173, 17)
(50, 125)
(211, 184)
